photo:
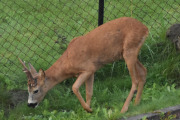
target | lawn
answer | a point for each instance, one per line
(38, 31)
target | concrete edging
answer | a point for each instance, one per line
(156, 115)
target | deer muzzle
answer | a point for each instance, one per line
(33, 105)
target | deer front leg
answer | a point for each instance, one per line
(89, 89)
(80, 80)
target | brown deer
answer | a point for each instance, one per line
(118, 39)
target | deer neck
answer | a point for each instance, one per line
(57, 72)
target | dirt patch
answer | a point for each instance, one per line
(10, 99)
(18, 96)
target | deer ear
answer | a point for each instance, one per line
(42, 73)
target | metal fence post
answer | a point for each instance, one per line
(101, 12)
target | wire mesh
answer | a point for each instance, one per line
(38, 31)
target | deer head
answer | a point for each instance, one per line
(36, 87)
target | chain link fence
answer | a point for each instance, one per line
(38, 31)
(156, 14)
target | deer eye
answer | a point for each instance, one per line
(36, 91)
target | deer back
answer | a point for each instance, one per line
(105, 44)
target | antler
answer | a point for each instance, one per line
(31, 81)
(32, 69)
(23, 64)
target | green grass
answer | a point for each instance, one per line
(61, 103)
(38, 32)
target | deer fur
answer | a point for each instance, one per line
(118, 39)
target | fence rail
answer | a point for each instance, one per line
(38, 31)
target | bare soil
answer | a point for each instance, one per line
(18, 96)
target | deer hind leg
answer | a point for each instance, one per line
(80, 80)
(141, 81)
(131, 60)
(89, 89)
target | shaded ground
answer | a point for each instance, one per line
(10, 99)
(18, 96)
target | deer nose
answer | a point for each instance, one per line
(33, 105)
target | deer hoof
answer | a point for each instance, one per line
(88, 109)
(136, 103)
